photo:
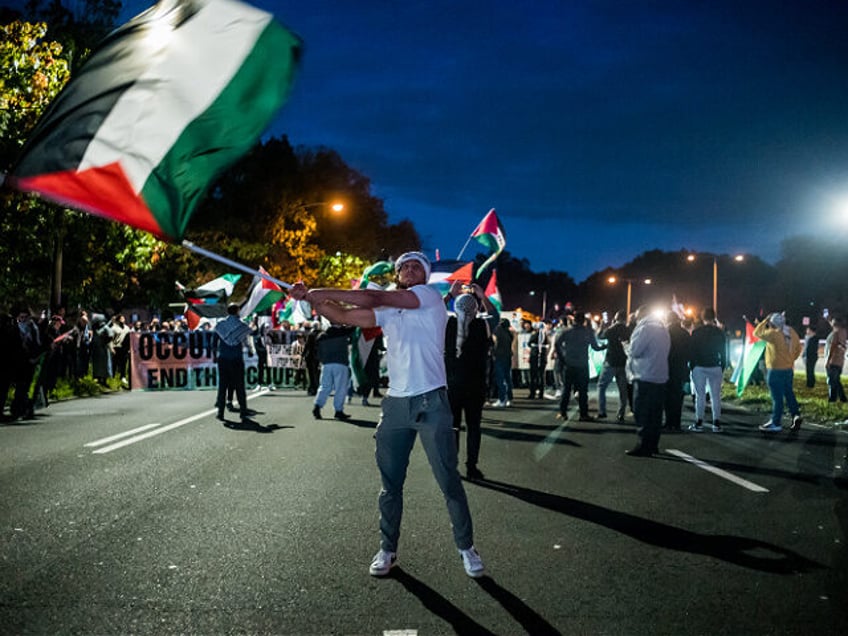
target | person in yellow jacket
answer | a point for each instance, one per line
(783, 346)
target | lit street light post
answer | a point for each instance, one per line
(336, 207)
(738, 258)
(612, 280)
(544, 301)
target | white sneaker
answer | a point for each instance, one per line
(498, 404)
(383, 562)
(558, 394)
(509, 402)
(770, 427)
(472, 562)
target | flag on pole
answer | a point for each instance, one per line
(751, 354)
(215, 291)
(163, 105)
(492, 292)
(490, 234)
(263, 295)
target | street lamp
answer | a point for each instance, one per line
(738, 258)
(612, 280)
(335, 206)
(544, 301)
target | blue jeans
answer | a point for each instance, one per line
(503, 379)
(835, 391)
(780, 385)
(335, 378)
(429, 416)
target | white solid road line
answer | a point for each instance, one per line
(112, 438)
(151, 433)
(158, 431)
(718, 471)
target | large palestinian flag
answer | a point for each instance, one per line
(749, 359)
(162, 106)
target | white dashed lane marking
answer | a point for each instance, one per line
(749, 485)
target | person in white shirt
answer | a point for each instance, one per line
(647, 365)
(413, 319)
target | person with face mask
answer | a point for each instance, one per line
(467, 344)
(413, 320)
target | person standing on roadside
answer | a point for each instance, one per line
(334, 355)
(811, 354)
(678, 371)
(120, 348)
(647, 366)
(783, 346)
(310, 358)
(413, 318)
(233, 334)
(503, 338)
(707, 360)
(614, 362)
(834, 357)
(539, 347)
(467, 344)
(572, 349)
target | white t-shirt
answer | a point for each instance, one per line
(415, 344)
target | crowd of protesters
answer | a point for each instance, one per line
(42, 349)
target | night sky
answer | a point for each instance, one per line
(597, 130)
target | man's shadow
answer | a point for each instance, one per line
(532, 622)
(742, 551)
(252, 426)
(361, 423)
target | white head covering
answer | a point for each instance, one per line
(414, 256)
(465, 307)
(779, 322)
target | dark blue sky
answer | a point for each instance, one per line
(597, 129)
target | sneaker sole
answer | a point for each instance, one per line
(475, 575)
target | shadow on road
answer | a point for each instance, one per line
(531, 621)
(252, 426)
(439, 605)
(517, 436)
(741, 551)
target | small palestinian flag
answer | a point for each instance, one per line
(492, 292)
(215, 291)
(163, 105)
(490, 234)
(263, 295)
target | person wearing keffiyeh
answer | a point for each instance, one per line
(783, 346)
(232, 334)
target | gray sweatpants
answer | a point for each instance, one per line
(429, 416)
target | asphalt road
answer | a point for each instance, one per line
(140, 513)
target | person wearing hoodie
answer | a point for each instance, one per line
(783, 346)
